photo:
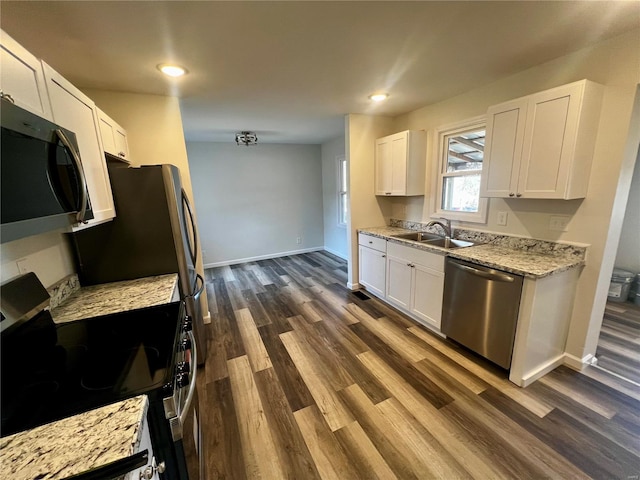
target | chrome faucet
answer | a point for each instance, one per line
(446, 228)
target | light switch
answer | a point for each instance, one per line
(502, 218)
(559, 223)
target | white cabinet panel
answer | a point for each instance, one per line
(77, 112)
(114, 137)
(399, 282)
(415, 282)
(541, 146)
(428, 290)
(373, 267)
(400, 164)
(21, 78)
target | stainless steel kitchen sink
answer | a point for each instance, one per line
(449, 243)
(418, 236)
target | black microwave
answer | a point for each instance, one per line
(42, 182)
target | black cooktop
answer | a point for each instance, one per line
(52, 371)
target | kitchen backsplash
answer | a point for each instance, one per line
(63, 289)
(533, 245)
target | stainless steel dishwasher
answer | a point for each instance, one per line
(480, 309)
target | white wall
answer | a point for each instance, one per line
(256, 201)
(335, 236)
(628, 255)
(614, 63)
(366, 210)
(48, 255)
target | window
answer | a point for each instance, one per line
(343, 204)
(460, 154)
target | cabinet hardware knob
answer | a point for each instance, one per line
(511, 194)
(387, 193)
(518, 194)
(384, 256)
(370, 241)
(122, 154)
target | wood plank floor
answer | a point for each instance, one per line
(619, 343)
(307, 380)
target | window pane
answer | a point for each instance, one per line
(465, 151)
(343, 209)
(461, 194)
(343, 175)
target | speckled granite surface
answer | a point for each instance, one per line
(523, 256)
(62, 290)
(116, 297)
(76, 444)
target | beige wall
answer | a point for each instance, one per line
(366, 210)
(154, 133)
(614, 63)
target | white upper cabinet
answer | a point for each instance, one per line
(400, 164)
(114, 137)
(21, 78)
(75, 111)
(541, 146)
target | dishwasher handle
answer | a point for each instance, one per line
(490, 275)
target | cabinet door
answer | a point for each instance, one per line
(427, 292)
(399, 164)
(399, 282)
(384, 166)
(114, 137)
(74, 110)
(503, 149)
(549, 143)
(373, 268)
(22, 79)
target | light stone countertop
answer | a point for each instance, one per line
(107, 298)
(528, 257)
(75, 444)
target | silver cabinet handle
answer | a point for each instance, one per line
(7, 97)
(511, 194)
(518, 195)
(491, 274)
(83, 181)
(121, 154)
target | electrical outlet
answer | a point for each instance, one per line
(298, 240)
(502, 218)
(559, 223)
(23, 266)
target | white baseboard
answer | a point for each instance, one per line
(261, 257)
(336, 253)
(353, 286)
(576, 363)
(541, 371)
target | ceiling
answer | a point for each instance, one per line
(290, 71)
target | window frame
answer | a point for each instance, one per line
(343, 195)
(440, 148)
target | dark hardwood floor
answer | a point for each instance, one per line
(307, 380)
(619, 343)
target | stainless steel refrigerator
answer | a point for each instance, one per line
(154, 233)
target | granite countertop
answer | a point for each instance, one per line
(107, 298)
(76, 444)
(528, 257)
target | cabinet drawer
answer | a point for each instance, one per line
(370, 241)
(431, 260)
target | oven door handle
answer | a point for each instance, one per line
(184, 411)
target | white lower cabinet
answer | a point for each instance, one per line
(372, 263)
(415, 282)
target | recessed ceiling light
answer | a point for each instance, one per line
(172, 70)
(378, 97)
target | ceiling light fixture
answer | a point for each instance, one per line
(378, 97)
(172, 70)
(246, 138)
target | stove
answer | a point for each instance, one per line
(52, 371)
